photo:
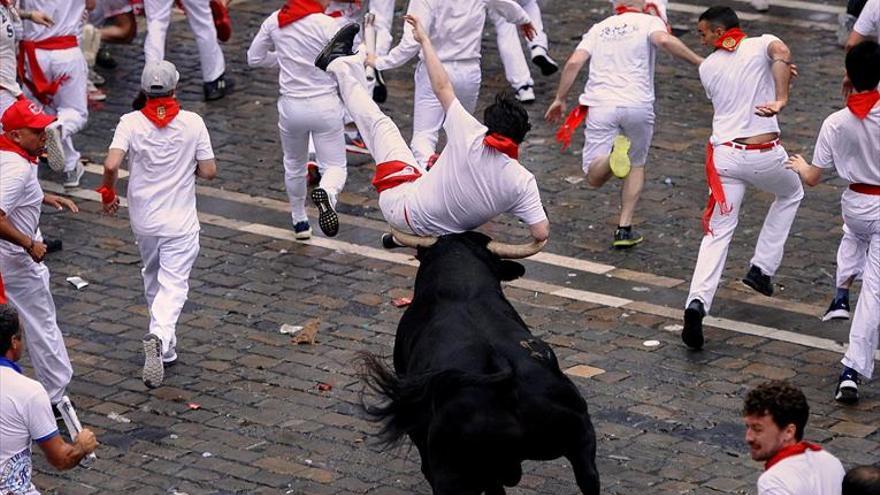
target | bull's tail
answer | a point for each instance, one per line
(410, 397)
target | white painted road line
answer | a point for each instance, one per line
(525, 284)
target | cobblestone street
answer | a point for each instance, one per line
(246, 410)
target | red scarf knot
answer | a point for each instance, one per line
(574, 119)
(161, 111)
(716, 191)
(503, 144)
(790, 451)
(730, 39)
(861, 103)
(7, 144)
(392, 174)
(623, 9)
(295, 10)
(108, 194)
(42, 88)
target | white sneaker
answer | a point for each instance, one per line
(525, 94)
(94, 94)
(154, 371)
(54, 148)
(72, 177)
(542, 59)
(761, 5)
(96, 79)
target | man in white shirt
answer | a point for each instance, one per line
(26, 417)
(166, 149)
(308, 108)
(747, 80)
(54, 72)
(201, 22)
(849, 141)
(617, 102)
(25, 277)
(456, 29)
(775, 415)
(476, 177)
(867, 26)
(516, 70)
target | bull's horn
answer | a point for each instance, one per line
(413, 241)
(515, 251)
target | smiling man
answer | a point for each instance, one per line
(775, 414)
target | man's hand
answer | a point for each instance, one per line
(60, 203)
(417, 29)
(41, 18)
(796, 163)
(37, 251)
(555, 112)
(769, 109)
(528, 31)
(370, 60)
(111, 208)
(86, 441)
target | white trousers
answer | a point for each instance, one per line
(384, 12)
(70, 104)
(864, 334)
(851, 255)
(516, 68)
(766, 171)
(201, 22)
(168, 262)
(320, 118)
(603, 124)
(428, 113)
(378, 131)
(27, 288)
(6, 100)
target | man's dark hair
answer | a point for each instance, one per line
(9, 326)
(507, 116)
(862, 480)
(863, 65)
(720, 15)
(785, 403)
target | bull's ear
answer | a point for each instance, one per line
(510, 270)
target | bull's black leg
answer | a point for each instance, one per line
(583, 460)
(496, 490)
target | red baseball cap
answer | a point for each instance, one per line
(25, 113)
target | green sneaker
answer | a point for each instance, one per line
(620, 164)
(626, 238)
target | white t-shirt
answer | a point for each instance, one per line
(162, 167)
(25, 416)
(621, 61)
(293, 49)
(810, 473)
(737, 82)
(868, 24)
(852, 146)
(10, 32)
(67, 14)
(470, 184)
(21, 198)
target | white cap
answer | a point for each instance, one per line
(159, 78)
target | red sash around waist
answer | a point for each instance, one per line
(42, 89)
(873, 190)
(574, 119)
(392, 174)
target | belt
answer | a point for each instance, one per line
(873, 190)
(752, 147)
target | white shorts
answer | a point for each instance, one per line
(603, 124)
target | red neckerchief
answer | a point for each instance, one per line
(623, 9)
(716, 191)
(161, 111)
(503, 144)
(861, 103)
(295, 10)
(575, 118)
(2, 290)
(730, 39)
(7, 144)
(790, 451)
(5, 3)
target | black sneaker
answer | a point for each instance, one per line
(847, 390)
(839, 310)
(154, 370)
(542, 59)
(105, 59)
(626, 238)
(340, 45)
(388, 242)
(692, 333)
(327, 218)
(380, 91)
(218, 88)
(302, 231)
(758, 281)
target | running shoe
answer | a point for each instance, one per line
(313, 174)
(54, 149)
(302, 231)
(525, 94)
(542, 59)
(354, 144)
(72, 177)
(839, 310)
(327, 218)
(758, 281)
(626, 238)
(154, 370)
(620, 164)
(692, 333)
(847, 390)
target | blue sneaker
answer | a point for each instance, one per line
(847, 387)
(302, 231)
(839, 310)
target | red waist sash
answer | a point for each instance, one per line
(42, 89)
(392, 174)
(871, 189)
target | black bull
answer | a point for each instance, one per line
(473, 389)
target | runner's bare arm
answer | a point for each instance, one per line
(541, 230)
(63, 455)
(569, 73)
(675, 47)
(206, 169)
(780, 60)
(108, 186)
(9, 233)
(810, 174)
(436, 72)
